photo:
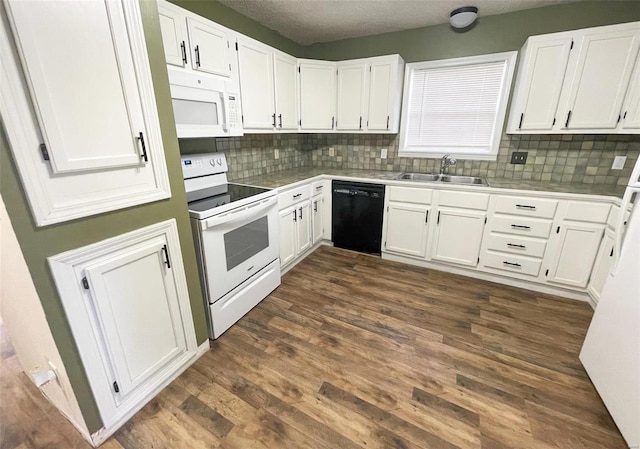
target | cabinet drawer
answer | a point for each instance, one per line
(317, 188)
(516, 245)
(465, 200)
(410, 195)
(290, 197)
(512, 263)
(528, 207)
(590, 212)
(521, 226)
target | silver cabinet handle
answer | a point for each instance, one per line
(513, 245)
(298, 195)
(515, 226)
(300, 213)
(524, 206)
(511, 264)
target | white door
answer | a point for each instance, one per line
(631, 107)
(602, 266)
(61, 68)
(173, 26)
(381, 91)
(575, 254)
(317, 95)
(304, 233)
(256, 84)
(540, 87)
(286, 91)
(352, 96)
(209, 44)
(601, 78)
(288, 239)
(458, 236)
(318, 219)
(407, 227)
(136, 305)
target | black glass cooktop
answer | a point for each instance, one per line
(212, 197)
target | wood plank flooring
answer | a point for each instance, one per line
(353, 352)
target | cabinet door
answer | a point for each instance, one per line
(304, 233)
(458, 236)
(601, 78)
(631, 108)
(381, 91)
(575, 254)
(83, 76)
(602, 265)
(256, 84)
(351, 104)
(173, 26)
(318, 218)
(545, 68)
(285, 81)
(317, 95)
(288, 238)
(407, 227)
(209, 47)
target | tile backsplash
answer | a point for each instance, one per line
(575, 158)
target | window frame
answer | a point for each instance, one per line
(509, 57)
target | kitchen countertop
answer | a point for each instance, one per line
(287, 177)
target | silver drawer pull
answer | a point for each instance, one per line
(318, 187)
(297, 196)
(511, 264)
(524, 206)
(520, 226)
(513, 245)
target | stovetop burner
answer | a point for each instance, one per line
(212, 197)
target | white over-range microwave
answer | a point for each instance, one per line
(203, 107)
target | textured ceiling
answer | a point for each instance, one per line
(310, 21)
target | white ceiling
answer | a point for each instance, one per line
(310, 21)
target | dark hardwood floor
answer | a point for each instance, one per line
(353, 352)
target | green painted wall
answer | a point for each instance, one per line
(226, 16)
(39, 243)
(491, 34)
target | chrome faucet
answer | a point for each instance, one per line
(445, 162)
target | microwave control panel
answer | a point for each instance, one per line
(233, 116)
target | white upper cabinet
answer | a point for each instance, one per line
(317, 95)
(210, 45)
(256, 83)
(173, 26)
(631, 107)
(84, 128)
(545, 62)
(577, 82)
(385, 93)
(286, 91)
(352, 100)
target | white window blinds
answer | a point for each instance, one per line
(455, 108)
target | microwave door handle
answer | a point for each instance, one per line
(225, 112)
(239, 214)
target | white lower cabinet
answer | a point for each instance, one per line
(296, 219)
(407, 228)
(288, 238)
(317, 204)
(458, 236)
(128, 306)
(602, 266)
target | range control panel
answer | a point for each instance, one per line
(203, 164)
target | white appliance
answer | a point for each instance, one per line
(204, 105)
(235, 228)
(611, 350)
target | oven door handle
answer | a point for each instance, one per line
(240, 214)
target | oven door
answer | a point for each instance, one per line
(199, 112)
(238, 244)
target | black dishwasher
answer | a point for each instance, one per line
(356, 218)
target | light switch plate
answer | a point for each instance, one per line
(276, 153)
(618, 162)
(332, 151)
(383, 153)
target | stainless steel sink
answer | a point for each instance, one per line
(450, 179)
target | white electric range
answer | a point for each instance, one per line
(235, 229)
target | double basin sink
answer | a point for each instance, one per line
(449, 179)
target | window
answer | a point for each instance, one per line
(456, 106)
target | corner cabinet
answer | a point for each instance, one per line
(127, 303)
(79, 108)
(578, 82)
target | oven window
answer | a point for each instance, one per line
(245, 242)
(190, 112)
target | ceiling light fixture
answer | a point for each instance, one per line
(463, 17)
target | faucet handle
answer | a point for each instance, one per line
(453, 161)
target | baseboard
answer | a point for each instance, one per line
(99, 437)
(301, 257)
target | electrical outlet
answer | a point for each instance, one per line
(519, 157)
(383, 153)
(618, 162)
(276, 154)
(332, 151)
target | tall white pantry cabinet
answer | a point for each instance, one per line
(79, 110)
